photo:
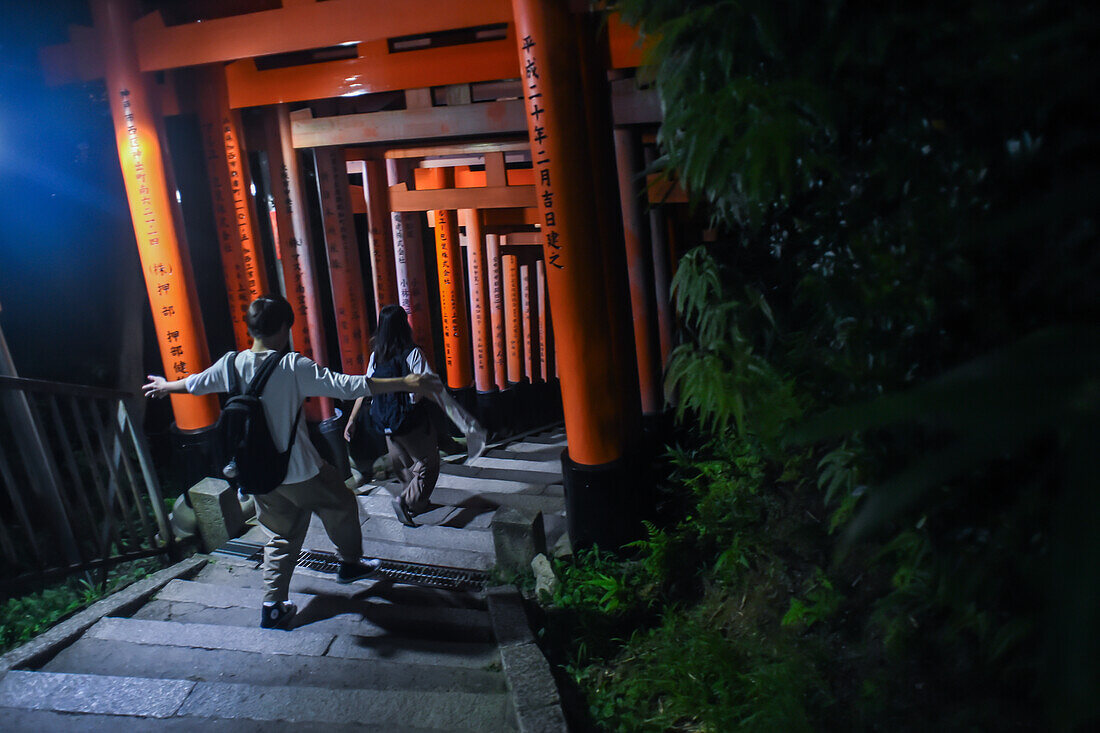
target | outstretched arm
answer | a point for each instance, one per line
(422, 384)
(349, 429)
(158, 387)
(318, 381)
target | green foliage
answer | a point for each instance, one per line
(716, 374)
(688, 674)
(22, 618)
(1047, 382)
(838, 477)
(905, 200)
(684, 634)
(821, 602)
(597, 581)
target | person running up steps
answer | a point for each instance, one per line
(310, 485)
(410, 433)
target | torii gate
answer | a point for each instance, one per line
(565, 111)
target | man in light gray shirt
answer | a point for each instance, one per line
(311, 485)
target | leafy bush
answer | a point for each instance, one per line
(24, 617)
(907, 250)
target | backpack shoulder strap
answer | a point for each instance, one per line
(294, 430)
(234, 378)
(259, 379)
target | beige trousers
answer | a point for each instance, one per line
(415, 459)
(285, 514)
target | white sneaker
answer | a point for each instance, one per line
(277, 615)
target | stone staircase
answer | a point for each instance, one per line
(186, 651)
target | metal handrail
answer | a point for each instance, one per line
(62, 388)
(78, 491)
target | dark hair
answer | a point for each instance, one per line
(267, 315)
(393, 337)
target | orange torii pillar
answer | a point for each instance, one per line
(378, 222)
(164, 258)
(346, 278)
(643, 299)
(545, 337)
(345, 275)
(240, 191)
(480, 328)
(383, 277)
(513, 327)
(531, 363)
(408, 256)
(496, 310)
(606, 484)
(295, 249)
(452, 287)
(229, 243)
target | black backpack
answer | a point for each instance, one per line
(394, 412)
(253, 464)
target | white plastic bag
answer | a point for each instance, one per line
(467, 423)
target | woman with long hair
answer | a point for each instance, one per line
(411, 437)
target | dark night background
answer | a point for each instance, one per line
(70, 282)
(66, 247)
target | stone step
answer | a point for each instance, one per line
(475, 510)
(311, 582)
(193, 602)
(522, 447)
(125, 659)
(397, 600)
(17, 720)
(316, 539)
(451, 711)
(85, 693)
(553, 438)
(248, 574)
(298, 642)
(527, 452)
(517, 473)
(316, 617)
(379, 506)
(475, 484)
(551, 466)
(409, 553)
(468, 479)
(212, 636)
(482, 481)
(158, 698)
(547, 504)
(227, 570)
(387, 528)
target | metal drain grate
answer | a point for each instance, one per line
(409, 573)
(431, 576)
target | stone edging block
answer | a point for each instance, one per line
(534, 694)
(45, 646)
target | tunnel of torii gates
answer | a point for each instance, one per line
(517, 126)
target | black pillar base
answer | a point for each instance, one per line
(328, 439)
(195, 455)
(467, 397)
(605, 504)
(526, 416)
(509, 402)
(489, 410)
(656, 427)
(549, 402)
